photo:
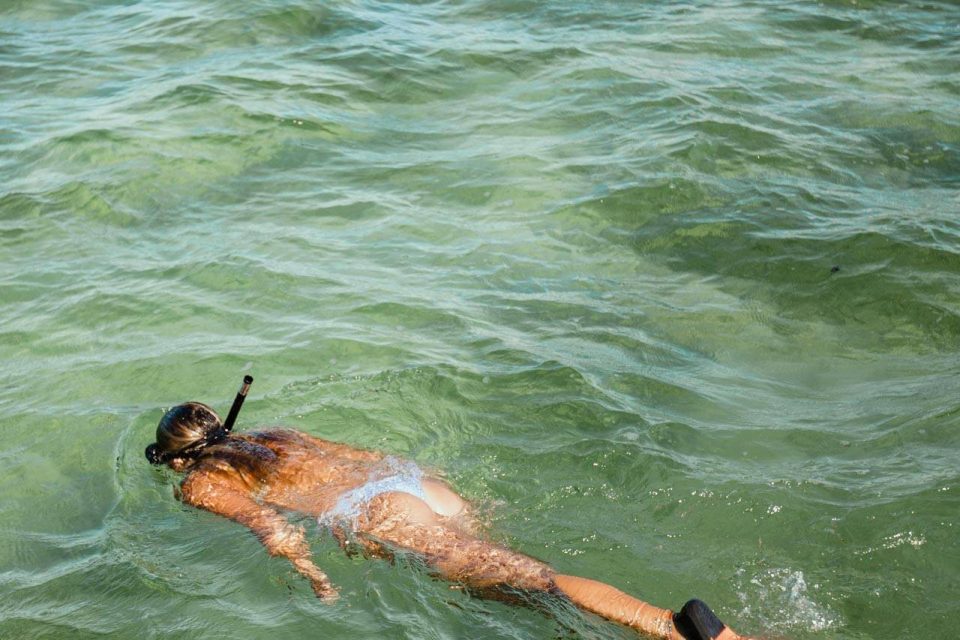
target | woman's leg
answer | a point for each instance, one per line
(613, 604)
(400, 521)
(403, 521)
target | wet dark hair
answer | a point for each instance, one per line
(184, 431)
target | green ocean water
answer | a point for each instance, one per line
(670, 289)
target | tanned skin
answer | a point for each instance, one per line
(251, 477)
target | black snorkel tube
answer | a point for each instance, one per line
(237, 403)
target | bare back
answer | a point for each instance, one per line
(285, 469)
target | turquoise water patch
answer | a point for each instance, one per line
(671, 291)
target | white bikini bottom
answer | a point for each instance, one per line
(391, 474)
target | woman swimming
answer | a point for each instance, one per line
(385, 505)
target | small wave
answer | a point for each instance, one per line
(915, 540)
(782, 600)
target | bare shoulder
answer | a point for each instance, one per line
(286, 436)
(344, 450)
(285, 439)
(273, 434)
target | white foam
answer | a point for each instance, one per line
(781, 598)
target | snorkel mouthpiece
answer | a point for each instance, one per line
(237, 403)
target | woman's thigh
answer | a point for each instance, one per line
(399, 521)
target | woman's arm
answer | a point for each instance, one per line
(221, 493)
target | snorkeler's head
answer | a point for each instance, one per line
(184, 431)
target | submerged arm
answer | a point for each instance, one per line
(222, 493)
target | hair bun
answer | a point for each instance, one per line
(153, 454)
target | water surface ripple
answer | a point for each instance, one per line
(672, 290)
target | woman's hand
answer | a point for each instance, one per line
(325, 590)
(318, 580)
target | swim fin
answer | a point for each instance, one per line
(697, 622)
